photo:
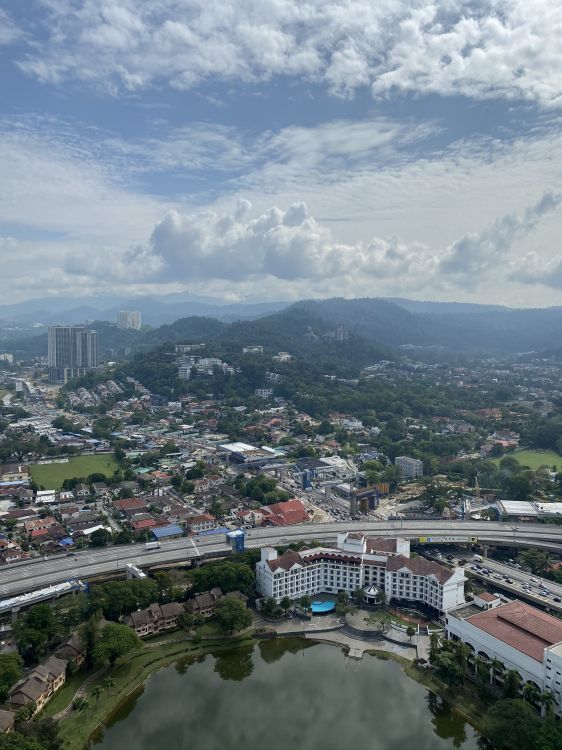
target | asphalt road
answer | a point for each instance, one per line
(26, 576)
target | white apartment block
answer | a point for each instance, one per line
(360, 562)
(519, 636)
(411, 468)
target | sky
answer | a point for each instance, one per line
(260, 150)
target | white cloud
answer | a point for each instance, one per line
(291, 246)
(9, 31)
(488, 49)
(482, 252)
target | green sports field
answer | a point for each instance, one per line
(51, 476)
(535, 459)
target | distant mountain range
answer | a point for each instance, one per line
(155, 311)
(450, 328)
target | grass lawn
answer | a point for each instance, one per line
(51, 476)
(65, 694)
(535, 459)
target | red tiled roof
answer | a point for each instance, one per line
(525, 628)
(419, 566)
(486, 596)
(129, 502)
(146, 523)
(380, 544)
(285, 513)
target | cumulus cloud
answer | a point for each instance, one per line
(489, 49)
(481, 252)
(293, 246)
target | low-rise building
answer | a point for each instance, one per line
(156, 618)
(7, 720)
(519, 636)
(203, 522)
(39, 685)
(204, 604)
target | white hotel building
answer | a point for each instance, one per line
(360, 562)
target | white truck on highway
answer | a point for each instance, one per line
(478, 558)
(152, 545)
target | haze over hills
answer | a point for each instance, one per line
(452, 328)
(155, 311)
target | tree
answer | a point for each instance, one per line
(100, 538)
(269, 607)
(11, 669)
(547, 699)
(511, 684)
(305, 602)
(496, 667)
(357, 596)
(285, 604)
(187, 620)
(35, 630)
(433, 647)
(115, 641)
(17, 741)
(531, 692)
(511, 724)
(232, 614)
(411, 631)
(96, 692)
(228, 576)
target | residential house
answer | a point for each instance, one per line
(39, 685)
(7, 719)
(72, 649)
(203, 522)
(156, 618)
(204, 604)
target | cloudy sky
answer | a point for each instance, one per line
(281, 149)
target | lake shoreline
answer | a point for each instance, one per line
(78, 731)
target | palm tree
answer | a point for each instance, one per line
(547, 699)
(496, 667)
(96, 692)
(512, 684)
(480, 665)
(411, 631)
(462, 652)
(531, 692)
(285, 604)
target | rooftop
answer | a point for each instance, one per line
(521, 626)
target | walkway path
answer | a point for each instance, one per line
(80, 693)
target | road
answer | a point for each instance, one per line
(30, 575)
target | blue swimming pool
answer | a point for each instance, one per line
(322, 608)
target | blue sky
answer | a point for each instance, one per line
(281, 149)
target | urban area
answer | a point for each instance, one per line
(206, 487)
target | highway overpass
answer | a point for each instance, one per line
(36, 573)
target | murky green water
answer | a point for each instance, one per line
(285, 695)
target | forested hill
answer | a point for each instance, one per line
(371, 327)
(482, 331)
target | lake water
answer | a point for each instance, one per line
(284, 694)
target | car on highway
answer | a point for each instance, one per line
(533, 580)
(556, 599)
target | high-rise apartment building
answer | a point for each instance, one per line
(73, 351)
(129, 319)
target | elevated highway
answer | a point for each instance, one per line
(29, 575)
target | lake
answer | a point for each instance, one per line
(284, 694)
